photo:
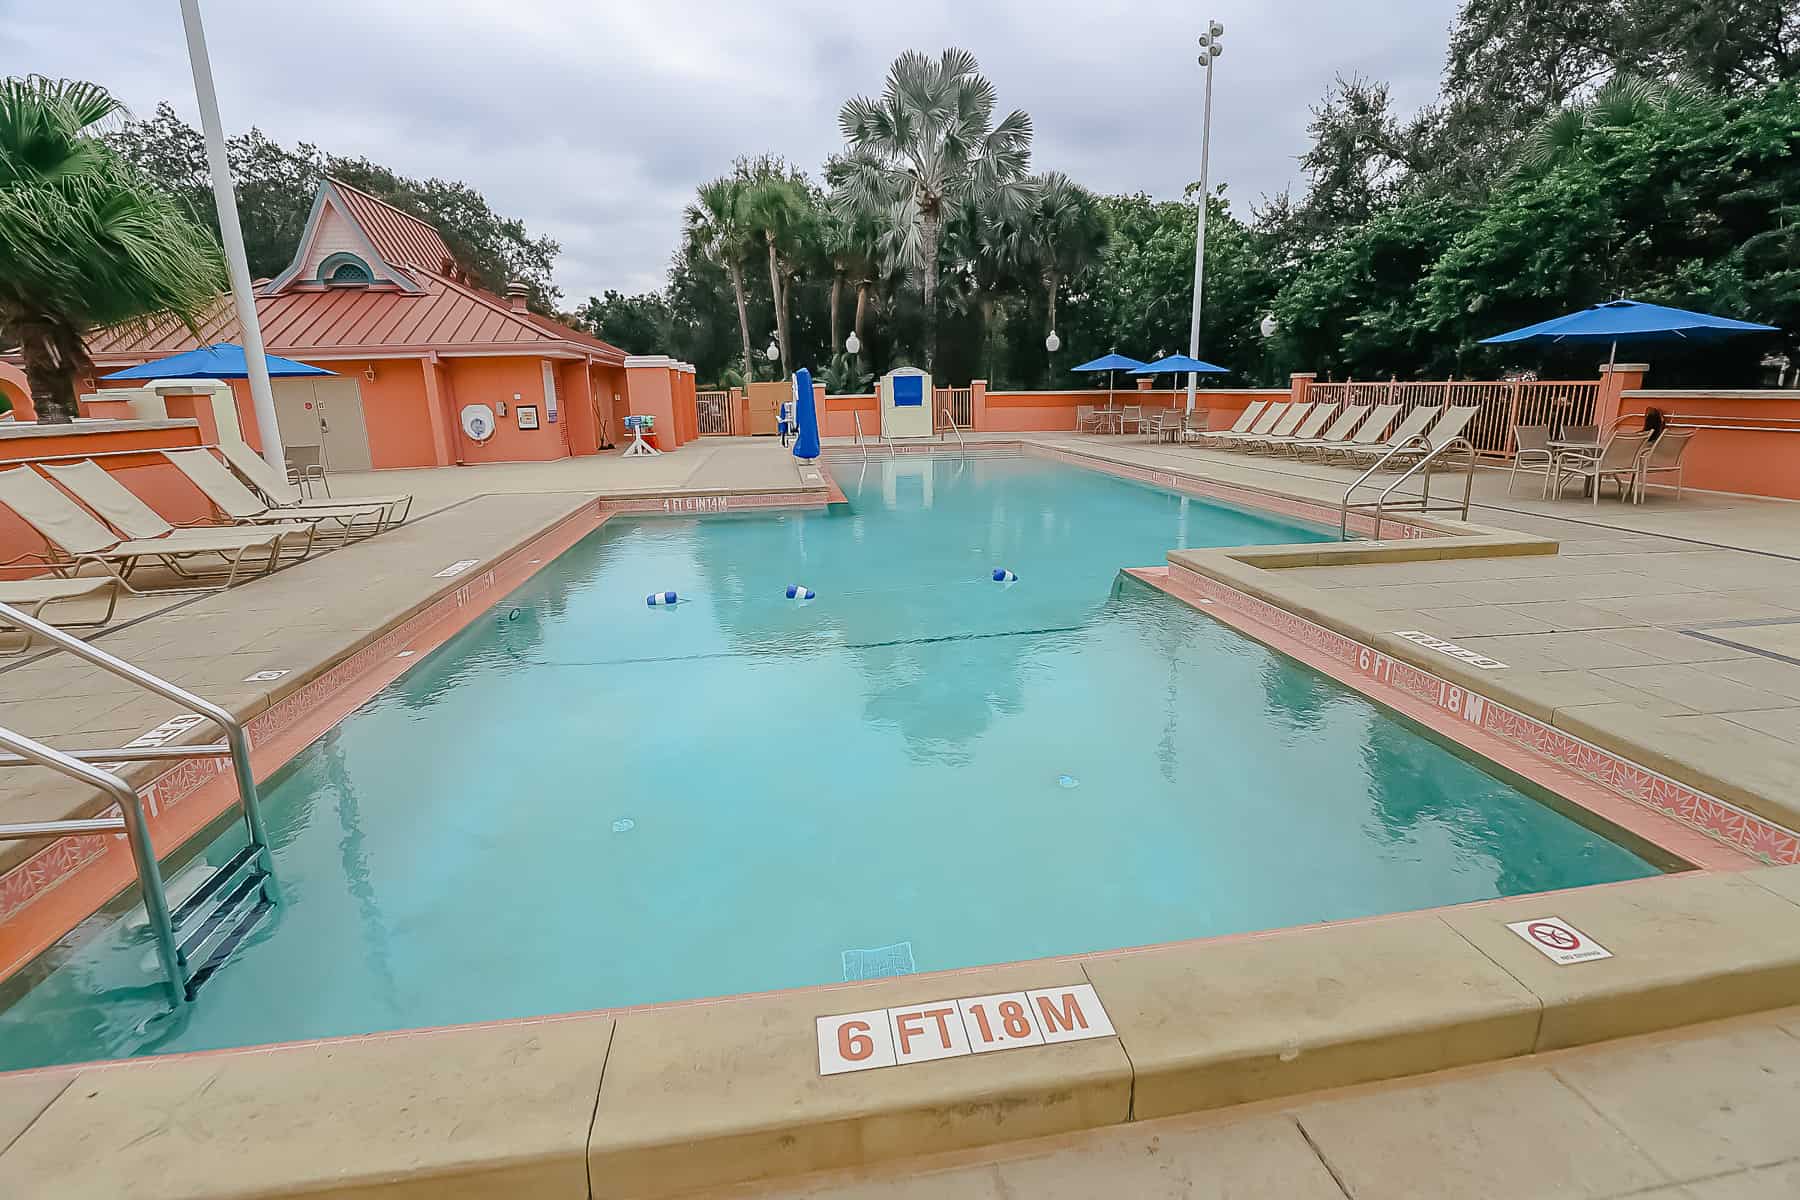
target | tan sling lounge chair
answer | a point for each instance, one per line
(1410, 426)
(239, 503)
(275, 487)
(1265, 425)
(1367, 434)
(1306, 430)
(75, 538)
(34, 596)
(1340, 429)
(1450, 424)
(1249, 417)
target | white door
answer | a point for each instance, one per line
(328, 413)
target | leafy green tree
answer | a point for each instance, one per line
(1065, 232)
(931, 141)
(85, 239)
(642, 324)
(776, 202)
(717, 231)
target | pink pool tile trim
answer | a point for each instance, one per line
(1397, 528)
(1460, 714)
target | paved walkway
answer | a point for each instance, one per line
(1705, 1113)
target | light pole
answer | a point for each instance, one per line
(1210, 49)
(262, 397)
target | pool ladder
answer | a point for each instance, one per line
(194, 939)
(1420, 501)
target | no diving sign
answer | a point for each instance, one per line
(1559, 941)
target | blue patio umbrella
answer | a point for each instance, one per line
(1109, 363)
(1628, 321)
(1182, 364)
(222, 360)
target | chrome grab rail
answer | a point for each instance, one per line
(76, 764)
(1422, 502)
(130, 822)
(951, 419)
(856, 421)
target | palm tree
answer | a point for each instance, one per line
(854, 240)
(927, 146)
(1619, 103)
(777, 204)
(716, 231)
(999, 253)
(1066, 232)
(85, 240)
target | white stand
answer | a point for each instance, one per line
(639, 448)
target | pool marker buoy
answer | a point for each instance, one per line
(659, 599)
(1002, 575)
(799, 591)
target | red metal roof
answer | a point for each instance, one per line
(343, 322)
(399, 237)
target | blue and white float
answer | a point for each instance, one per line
(661, 599)
(799, 591)
(1002, 575)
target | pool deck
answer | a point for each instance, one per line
(1659, 631)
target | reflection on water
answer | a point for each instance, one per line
(582, 801)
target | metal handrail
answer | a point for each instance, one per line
(1380, 504)
(130, 821)
(951, 418)
(856, 421)
(76, 765)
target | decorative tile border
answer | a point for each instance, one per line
(1717, 819)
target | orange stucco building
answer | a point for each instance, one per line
(376, 296)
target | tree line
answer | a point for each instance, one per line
(1577, 151)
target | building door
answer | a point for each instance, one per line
(327, 413)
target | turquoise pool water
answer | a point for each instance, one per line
(581, 801)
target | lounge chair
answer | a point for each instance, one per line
(1308, 428)
(75, 538)
(1531, 448)
(1339, 430)
(1271, 417)
(240, 504)
(34, 596)
(1448, 427)
(1290, 421)
(1617, 461)
(275, 488)
(119, 507)
(1367, 434)
(1252, 412)
(1410, 427)
(1664, 458)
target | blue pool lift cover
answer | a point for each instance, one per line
(806, 440)
(1629, 320)
(222, 360)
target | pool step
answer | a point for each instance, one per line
(221, 913)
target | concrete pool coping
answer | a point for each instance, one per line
(649, 1101)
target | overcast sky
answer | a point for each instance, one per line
(594, 121)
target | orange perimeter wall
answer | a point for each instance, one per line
(1760, 458)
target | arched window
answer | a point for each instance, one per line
(345, 270)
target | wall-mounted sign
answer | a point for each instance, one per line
(478, 421)
(889, 1037)
(528, 416)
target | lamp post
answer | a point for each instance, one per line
(243, 296)
(1210, 49)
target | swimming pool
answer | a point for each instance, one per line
(581, 801)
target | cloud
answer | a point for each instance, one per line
(594, 123)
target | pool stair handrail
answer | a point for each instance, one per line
(950, 421)
(1422, 467)
(212, 921)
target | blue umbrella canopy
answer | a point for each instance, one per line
(1183, 364)
(1109, 362)
(223, 360)
(1628, 321)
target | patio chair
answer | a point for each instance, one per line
(1368, 433)
(1271, 417)
(1307, 429)
(237, 502)
(35, 596)
(75, 538)
(1251, 414)
(275, 488)
(1339, 429)
(1131, 414)
(1580, 433)
(1087, 418)
(1531, 448)
(1410, 427)
(1617, 461)
(1664, 458)
(1160, 424)
(306, 468)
